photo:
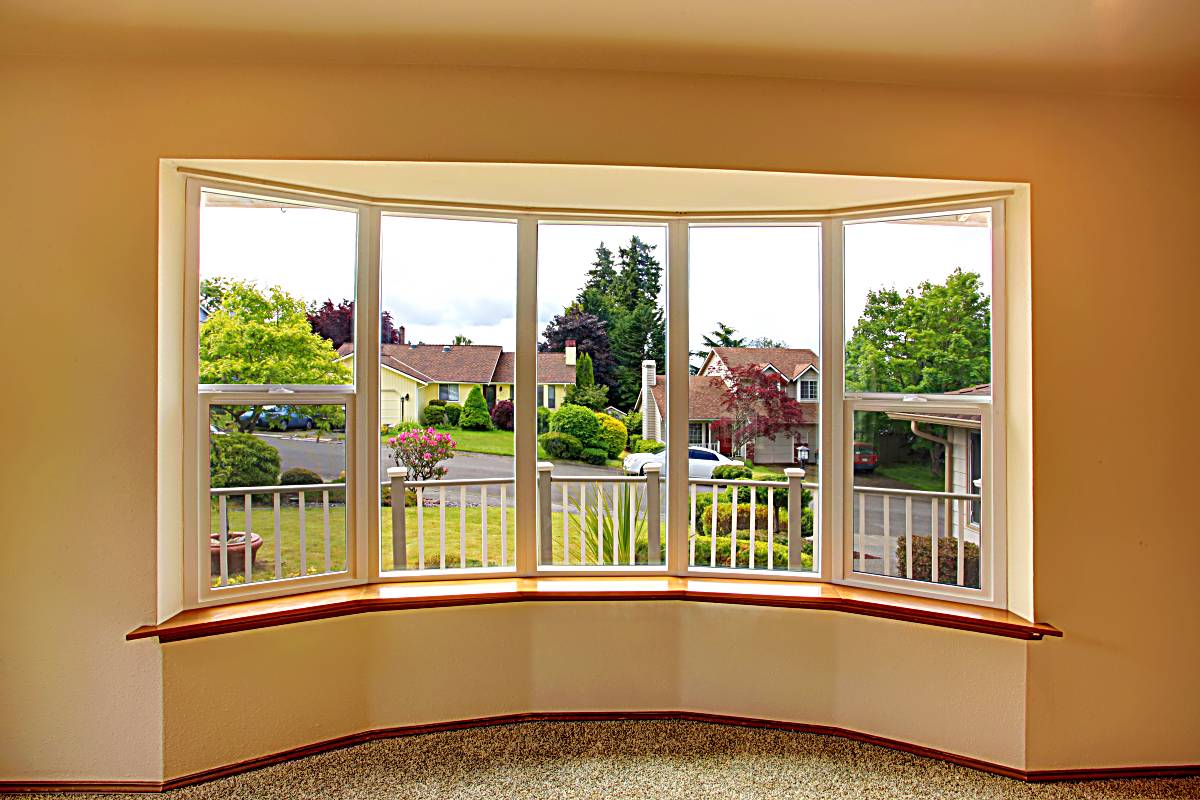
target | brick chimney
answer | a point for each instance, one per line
(570, 352)
(400, 333)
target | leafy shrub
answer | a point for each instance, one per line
(594, 397)
(437, 402)
(947, 560)
(561, 445)
(475, 416)
(634, 440)
(594, 455)
(779, 553)
(612, 435)
(453, 413)
(422, 451)
(502, 415)
(297, 476)
(239, 459)
(725, 515)
(579, 422)
(544, 416)
(633, 423)
(730, 472)
(433, 415)
(650, 446)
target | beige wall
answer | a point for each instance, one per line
(319, 680)
(1113, 182)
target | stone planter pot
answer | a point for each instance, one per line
(236, 547)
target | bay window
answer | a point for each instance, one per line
(387, 391)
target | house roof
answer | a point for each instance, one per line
(791, 361)
(551, 367)
(955, 420)
(706, 395)
(464, 363)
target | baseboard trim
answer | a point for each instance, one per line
(350, 740)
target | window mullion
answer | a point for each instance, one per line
(677, 401)
(833, 414)
(525, 396)
(363, 452)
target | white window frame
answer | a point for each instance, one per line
(363, 399)
(816, 390)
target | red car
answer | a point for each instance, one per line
(865, 457)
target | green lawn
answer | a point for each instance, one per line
(916, 476)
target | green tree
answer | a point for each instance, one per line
(460, 339)
(723, 336)
(585, 392)
(639, 335)
(475, 415)
(931, 340)
(253, 336)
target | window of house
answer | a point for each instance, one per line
(322, 329)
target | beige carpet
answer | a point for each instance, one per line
(660, 760)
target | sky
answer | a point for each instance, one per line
(442, 278)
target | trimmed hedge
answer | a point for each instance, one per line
(594, 455)
(612, 435)
(437, 402)
(453, 413)
(730, 472)
(649, 446)
(579, 422)
(561, 445)
(297, 476)
(725, 515)
(544, 416)
(502, 415)
(779, 553)
(475, 416)
(947, 560)
(433, 414)
(239, 459)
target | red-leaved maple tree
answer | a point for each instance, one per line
(756, 404)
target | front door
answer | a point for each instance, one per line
(489, 394)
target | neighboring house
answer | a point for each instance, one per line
(964, 452)
(410, 375)
(708, 388)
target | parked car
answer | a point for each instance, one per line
(865, 457)
(701, 462)
(281, 418)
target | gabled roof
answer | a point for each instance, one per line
(551, 368)
(464, 363)
(790, 361)
(706, 399)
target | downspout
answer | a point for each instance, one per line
(944, 443)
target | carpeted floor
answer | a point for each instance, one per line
(659, 760)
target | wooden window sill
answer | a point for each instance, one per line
(267, 613)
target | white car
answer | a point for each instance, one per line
(701, 462)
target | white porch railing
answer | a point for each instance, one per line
(493, 497)
(604, 520)
(247, 493)
(755, 532)
(891, 526)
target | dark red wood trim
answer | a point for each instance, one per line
(253, 614)
(1084, 774)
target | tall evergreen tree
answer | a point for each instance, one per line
(637, 336)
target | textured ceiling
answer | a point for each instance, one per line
(1141, 46)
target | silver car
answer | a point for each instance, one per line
(701, 462)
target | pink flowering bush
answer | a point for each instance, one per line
(422, 451)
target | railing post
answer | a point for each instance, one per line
(397, 476)
(545, 521)
(653, 525)
(795, 536)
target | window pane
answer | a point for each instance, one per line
(602, 362)
(913, 497)
(448, 291)
(754, 317)
(918, 304)
(276, 291)
(294, 531)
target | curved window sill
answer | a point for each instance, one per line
(254, 614)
